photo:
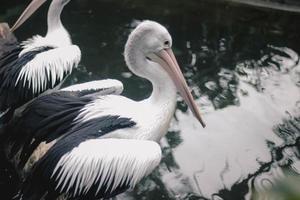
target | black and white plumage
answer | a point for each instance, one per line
(110, 166)
(104, 172)
(55, 113)
(89, 145)
(38, 64)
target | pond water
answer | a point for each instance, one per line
(242, 64)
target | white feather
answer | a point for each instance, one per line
(58, 38)
(110, 86)
(110, 161)
(49, 67)
(152, 118)
(35, 42)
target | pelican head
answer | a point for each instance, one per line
(148, 51)
(32, 7)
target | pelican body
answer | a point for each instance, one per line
(97, 145)
(37, 64)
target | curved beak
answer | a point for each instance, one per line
(31, 8)
(168, 61)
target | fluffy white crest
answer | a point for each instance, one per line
(106, 162)
(59, 38)
(49, 67)
(36, 41)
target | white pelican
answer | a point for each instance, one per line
(99, 146)
(39, 63)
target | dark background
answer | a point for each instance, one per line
(210, 39)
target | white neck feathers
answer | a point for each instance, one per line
(56, 31)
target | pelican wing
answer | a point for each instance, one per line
(10, 66)
(102, 87)
(44, 119)
(58, 115)
(93, 169)
(26, 74)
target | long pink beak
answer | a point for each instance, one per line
(168, 61)
(31, 8)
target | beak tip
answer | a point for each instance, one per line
(203, 124)
(31, 8)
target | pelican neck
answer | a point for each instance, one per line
(56, 31)
(163, 90)
(53, 18)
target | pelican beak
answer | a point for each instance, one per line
(31, 8)
(168, 61)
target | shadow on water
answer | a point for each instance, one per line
(243, 66)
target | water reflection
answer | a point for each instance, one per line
(245, 142)
(243, 66)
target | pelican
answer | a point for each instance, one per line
(37, 64)
(92, 146)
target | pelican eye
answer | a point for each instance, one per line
(148, 58)
(167, 43)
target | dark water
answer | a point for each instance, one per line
(243, 66)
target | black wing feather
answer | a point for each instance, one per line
(12, 95)
(47, 118)
(40, 181)
(53, 113)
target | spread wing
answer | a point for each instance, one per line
(44, 119)
(24, 76)
(57, 115)
(93, 169)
